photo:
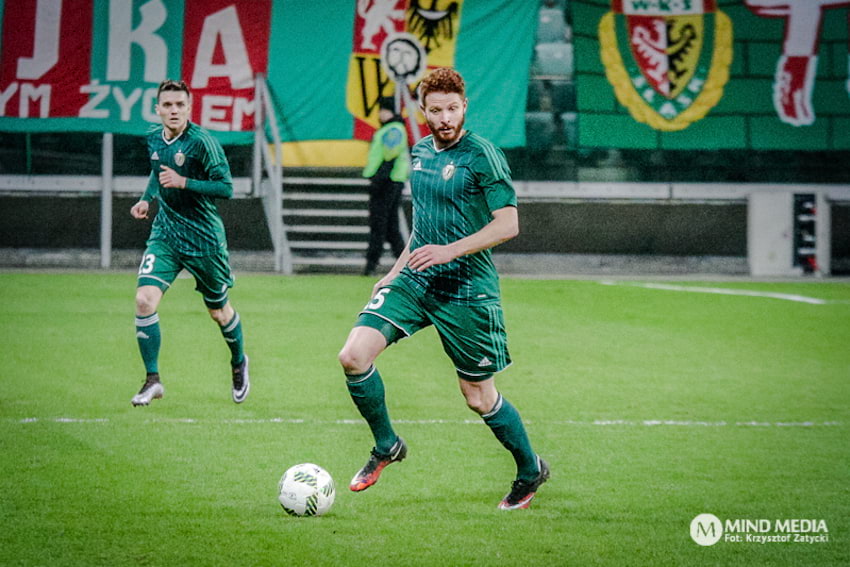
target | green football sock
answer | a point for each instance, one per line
(507, 426)
(149, 339)
(367, 391)
(232, 333)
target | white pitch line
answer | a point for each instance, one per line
(725, 291)
(593, 423)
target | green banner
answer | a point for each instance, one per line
(93, 65)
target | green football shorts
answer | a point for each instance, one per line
(473, 334)
(161, 264)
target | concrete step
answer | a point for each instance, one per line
(326, 229)
(326, 181)
(351, 261)
(308, 196)
(328, 213)
(327, 245)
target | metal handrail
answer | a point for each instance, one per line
(269, 154)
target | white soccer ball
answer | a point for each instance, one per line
(306, 490)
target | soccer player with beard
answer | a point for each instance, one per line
(189, 171)
(464, 204)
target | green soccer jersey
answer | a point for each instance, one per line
(188, 218)
(455, 191)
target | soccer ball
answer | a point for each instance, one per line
(306, 490)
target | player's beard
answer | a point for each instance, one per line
(450, 137)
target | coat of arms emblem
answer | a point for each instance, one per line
(449, 171)
(668, 60)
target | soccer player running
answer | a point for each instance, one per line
(464, 203)
(189, 171)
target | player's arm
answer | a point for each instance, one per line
(400, 262)
(219, 184)
(503, 227)
(140, 209)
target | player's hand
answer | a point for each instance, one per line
(430, 255)
(140, 210)
(382, 283)
(170, 178)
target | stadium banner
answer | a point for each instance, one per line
(712, 74)
(93, 65)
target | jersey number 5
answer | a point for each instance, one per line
(379, 298)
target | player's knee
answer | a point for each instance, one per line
(479, 397)
(474, 400)
(352, 361)
(219, 316)
(146, 303)
(476, 404)
(222, 315)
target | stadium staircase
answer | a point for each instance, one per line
(327, 223)
(315, 223)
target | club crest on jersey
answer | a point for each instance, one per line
(668, 60)
(179, 158)
(449, 171)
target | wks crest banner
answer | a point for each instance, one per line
(93, 65)
(708, 74)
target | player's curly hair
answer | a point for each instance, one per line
(442, 80)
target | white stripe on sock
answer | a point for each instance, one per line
(364, 378)
(147, 321)
(496, 407)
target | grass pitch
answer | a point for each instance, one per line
(651, 405)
